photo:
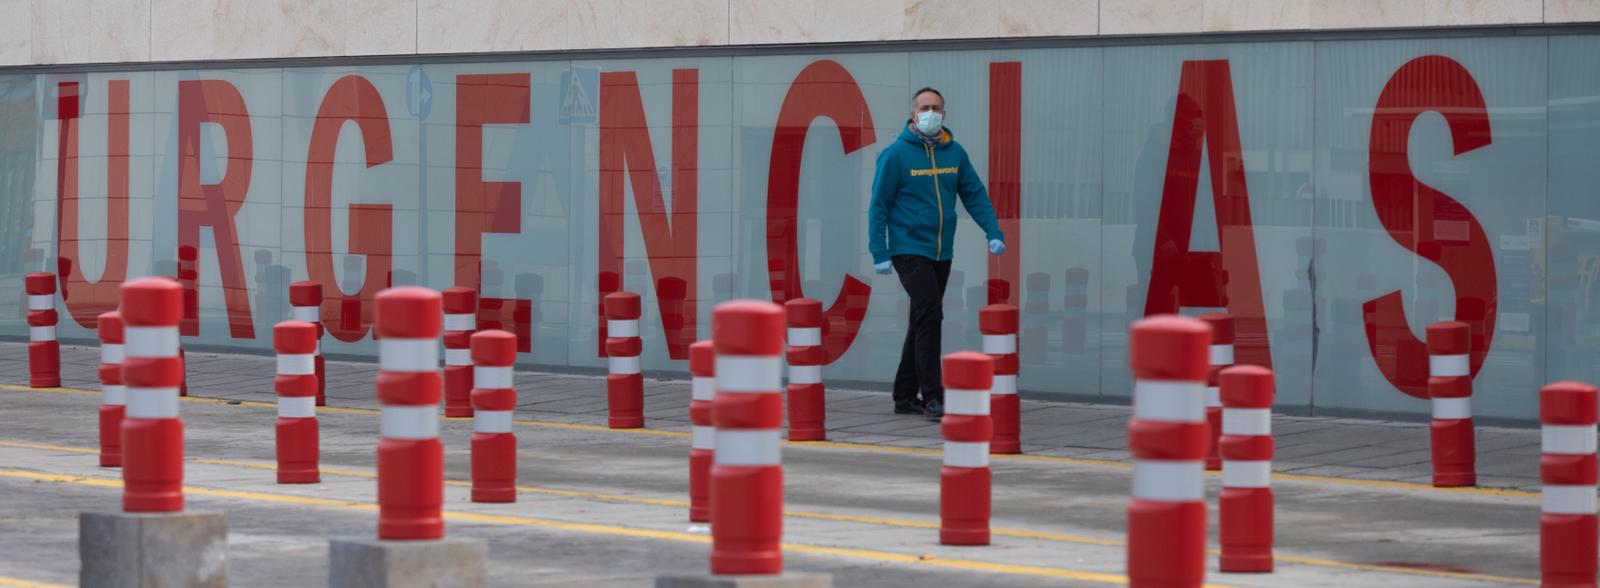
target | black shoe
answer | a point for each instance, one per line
(913, 407)
(933, 409)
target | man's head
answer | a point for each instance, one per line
(927, 111)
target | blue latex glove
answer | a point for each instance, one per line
(996, 247)
(883, 269)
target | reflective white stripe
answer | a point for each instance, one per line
(457, 357)
(151, 342)
(1004, 385)
(1579, 439)
(805, 374)
(297, 364)
(704, 388)
(1452, 408)
(491, 421)
(41, 333)
(1172, 481)
(1579, 500)
(409, 422)
(805, 336)
(408, 355)
(966, 455)
(484, 376)
(460, 322)
(623, 329)
(310, 314)
(1247, 421)
(111, 353)
(1448, 365)
(1213, 397)
(297, 407)
(999, 344)
(749, 373)
(624, 365)
(41, 301)
(1246, 474)
(114, 395)
(747, 447)
(1159, 400)
(152, 403)
(972, 402)
(703, 437)
(1222, 354)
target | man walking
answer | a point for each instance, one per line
(911, 227)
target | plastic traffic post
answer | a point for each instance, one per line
(494, 445)
(152, 435)
(305, 300)
(624, 386)
(702, 366)
(807, 403)
(965, 481)
(1221, 357)
(113, 394)
(1245, 507)
(410, 458)
(44, 353)
(998, 323)
(1450, 387)
(460, 320)
(1169, 356)
(747, 476)
(298, 439)
(1567, 540)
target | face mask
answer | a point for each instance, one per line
(929, 122)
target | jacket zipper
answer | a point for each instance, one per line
(938, 242)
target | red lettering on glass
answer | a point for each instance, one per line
(669, 243)
(1229, 278)
(487, 207)
(1427, 221)
(351, 99)
(823, 89)
(85, 300)
(1005, 175)
(213, 205)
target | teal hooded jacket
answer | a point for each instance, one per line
(913, 209)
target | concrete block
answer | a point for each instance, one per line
(785, 580)
(441, 563)
(149, 550)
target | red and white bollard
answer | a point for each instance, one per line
(44, 353)
(807, 402)
(188, 304)
(1221, 357)
(152, 435)
(1169, 356)
(410, 457)
(460, 321)
(494, 445)
(1567, 530)
(299, 444)
(747, 476)
(305, 300)
(625, 386)
(998, 323)
(965, 481)
(113, 394)
(1450, 386)
(1245, 507)
(703, 439)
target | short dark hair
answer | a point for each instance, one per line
(924, 90)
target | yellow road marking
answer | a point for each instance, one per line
(998, 531)
(1501, 492)
(853, 553)
(21, 583)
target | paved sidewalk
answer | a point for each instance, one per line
(1311, 446)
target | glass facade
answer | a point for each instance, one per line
(1335, 196)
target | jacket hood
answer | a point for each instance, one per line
(909, 135)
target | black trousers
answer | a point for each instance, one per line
(924, 281)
